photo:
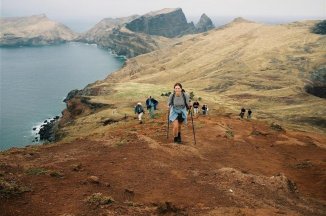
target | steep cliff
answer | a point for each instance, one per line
(33, 31)
(166, 22)
(204, 24)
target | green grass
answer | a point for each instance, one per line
(36, 171)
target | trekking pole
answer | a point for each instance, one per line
(167, 133)
(193, 127)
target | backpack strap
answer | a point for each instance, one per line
(184, 98)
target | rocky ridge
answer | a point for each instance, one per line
(135, 35)
(167, 22)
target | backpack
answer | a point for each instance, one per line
(184, 98)
(139, 109)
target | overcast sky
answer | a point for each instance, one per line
(97, 9)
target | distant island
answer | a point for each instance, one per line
(33, 31)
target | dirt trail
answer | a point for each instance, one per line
(237, 167)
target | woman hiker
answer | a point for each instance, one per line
(178, 105)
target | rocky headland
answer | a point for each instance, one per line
(135, 35)
(33, 31)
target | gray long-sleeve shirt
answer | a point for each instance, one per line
(179, 102)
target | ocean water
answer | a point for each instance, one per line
(35, 80)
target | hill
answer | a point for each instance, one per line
(34, 30)
(107, 164)
(262, 67)
(125, 168)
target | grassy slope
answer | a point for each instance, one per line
(262, 67)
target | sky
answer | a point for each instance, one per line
(95, 10)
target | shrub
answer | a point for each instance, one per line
(99, 199)
(191, 95)
(320, 28)
(36, 171)
(11, 188)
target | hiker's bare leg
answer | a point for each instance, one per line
(175, 128)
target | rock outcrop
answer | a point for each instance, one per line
(317, 83)
(320, 28)
(204, 24)
(33, 31)
(166, 22)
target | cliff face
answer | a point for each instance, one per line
(166, 22)
(135, 35)
(33, 31)
(204, 24)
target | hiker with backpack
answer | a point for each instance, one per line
(242, 112)
(195, 105)
(139, 110)
(178, 105)
(150, 104)
(249, 114)
(205, 109)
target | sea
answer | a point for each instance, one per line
(35, 80)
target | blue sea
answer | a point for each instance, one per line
(35, 80)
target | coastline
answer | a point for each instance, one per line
(19, 132)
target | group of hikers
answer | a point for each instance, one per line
(243, 112)
(179, 106)
(151, 106)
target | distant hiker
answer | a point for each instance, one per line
(155, 102)
(178, 105)
(242, 112)
(139, 110)
(195, 106)
(249, 114)
(204, 109)
(150, 104)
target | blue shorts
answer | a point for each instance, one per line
(174, 114)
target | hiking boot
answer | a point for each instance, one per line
(140, 122)
(175, 140)
(179, 138)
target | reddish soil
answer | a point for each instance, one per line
(237, 167)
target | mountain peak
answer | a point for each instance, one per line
(204, 23)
